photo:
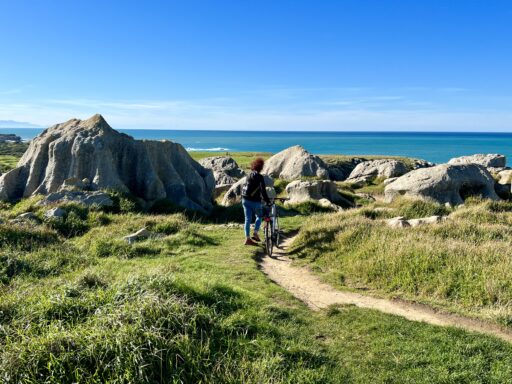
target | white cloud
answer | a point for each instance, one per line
(392, 111)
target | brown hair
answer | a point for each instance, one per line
(257, 164)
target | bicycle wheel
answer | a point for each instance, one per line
(269, 244)
(277, 232)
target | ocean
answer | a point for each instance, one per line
(437, 147)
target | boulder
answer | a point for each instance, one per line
(226, 172)
(55, 213)
(330, 205)
(301, 191)
(402, 222)
(398, 222)
(88, 198)
(141, 234)
(445, 183)
(369, 170)
(79, 149)
(420, 163)
(493, 160)
(340, 169)
(293, 163)
(505, 176)
(234, 194)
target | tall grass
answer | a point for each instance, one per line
(463, 263)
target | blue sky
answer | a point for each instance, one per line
(277, 65)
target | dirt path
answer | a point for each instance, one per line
(317, 295)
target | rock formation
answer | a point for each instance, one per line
(493, 160)
(369, 170)
(91, 149)
(234, 194)
(293, 163)
(225, 171)
(445, 183)
(301, 191)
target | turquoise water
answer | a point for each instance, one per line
(433, 146)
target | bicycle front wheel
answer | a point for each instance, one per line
(269, 244)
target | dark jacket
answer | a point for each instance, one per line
(254, 188)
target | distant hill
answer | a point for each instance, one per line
(17, 124)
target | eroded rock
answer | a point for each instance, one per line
(293, 163)
(91, 149)
(234, 194)
(301, 191)
(493, 160)
(370, 170)
(445, 183)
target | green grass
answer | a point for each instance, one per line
(243, 159)
(462, 264)
(190, 305)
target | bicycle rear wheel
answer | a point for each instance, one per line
(269, 244)
(277, 232)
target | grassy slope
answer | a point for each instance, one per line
(463, 264)
(192, 306)
(243, 159)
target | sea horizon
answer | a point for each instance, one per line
(432, 146)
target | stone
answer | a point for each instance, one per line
(420, 163)
(398, 222)
(390, 180)
(493, 160)
(27, 216)
(293, 163)
(9, 138)
(339, 170)
(402, 222)
(79, 149)
(225, 169)
(330, 205)
(505, 176)
(88, 198)
(55, 213)
(426, 220)
(445, 184)
(370, 170)
(301, 191)
(141, 234)
(234, 194)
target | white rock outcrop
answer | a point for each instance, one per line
(445, 183)
(490, 160)
(369, 170)
(301, 191)
(234, 194)
(293, 163)
(90, 149)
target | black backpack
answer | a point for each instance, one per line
(252, 186)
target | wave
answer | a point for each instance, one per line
(217, 149)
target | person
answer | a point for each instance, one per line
(253, 192)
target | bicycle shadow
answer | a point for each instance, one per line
(279, 254)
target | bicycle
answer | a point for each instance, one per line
(271, 231)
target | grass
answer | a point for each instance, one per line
(190, 305)
(243, 159)
(462, 264)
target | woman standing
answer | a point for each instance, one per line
(253, 193)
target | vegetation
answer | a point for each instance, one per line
(243, 159)
(190, 305)
(463, 263)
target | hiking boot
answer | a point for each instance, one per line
(250, 242)
(255, 237)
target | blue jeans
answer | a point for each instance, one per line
(250, 208)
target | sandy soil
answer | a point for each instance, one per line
(307, 287)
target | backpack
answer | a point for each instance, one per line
(251, 188)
